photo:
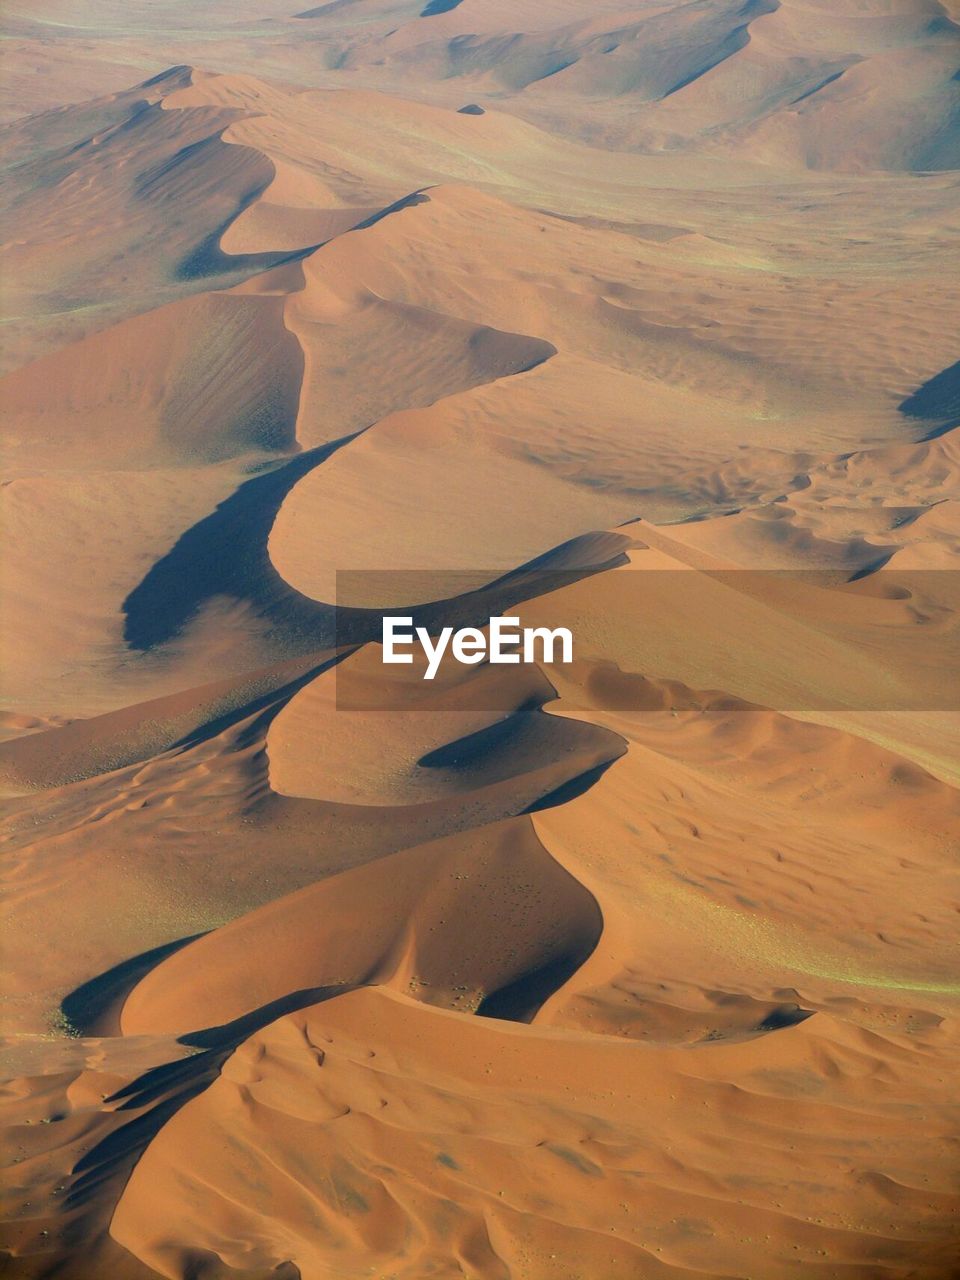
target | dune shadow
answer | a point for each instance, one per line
(936, 403)
(575, 787)
(868, 570)
(785, 1015)
(225, 554)
(523, 999)
(439, 6)
(207, 260)
(159, 1094)
(89, 1006)
(473, 748)
(406, 202)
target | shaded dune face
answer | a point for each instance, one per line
(403, 922)
(937, 402)
(202, 380)
(636, 318)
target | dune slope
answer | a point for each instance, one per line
(636, 317)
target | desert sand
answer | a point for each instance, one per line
(633, 316)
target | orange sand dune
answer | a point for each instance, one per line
(512, 945)
(495, 1150)
(635, 317)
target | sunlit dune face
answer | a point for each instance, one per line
(632, 321)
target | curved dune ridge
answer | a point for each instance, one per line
(628, 317)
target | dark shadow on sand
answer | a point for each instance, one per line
(439, 6)
(160, 1093)
(226, 554)
(91, 1004)
(936, 403)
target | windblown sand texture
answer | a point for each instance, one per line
(645, 968)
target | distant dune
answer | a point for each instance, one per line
(635, 317)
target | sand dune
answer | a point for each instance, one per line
(88, 747)
(221, 378)
(117, 170)
(511, 947)
(771, 78)
(633, 317)
(537, 1171)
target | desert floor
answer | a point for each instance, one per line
(638, 317)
